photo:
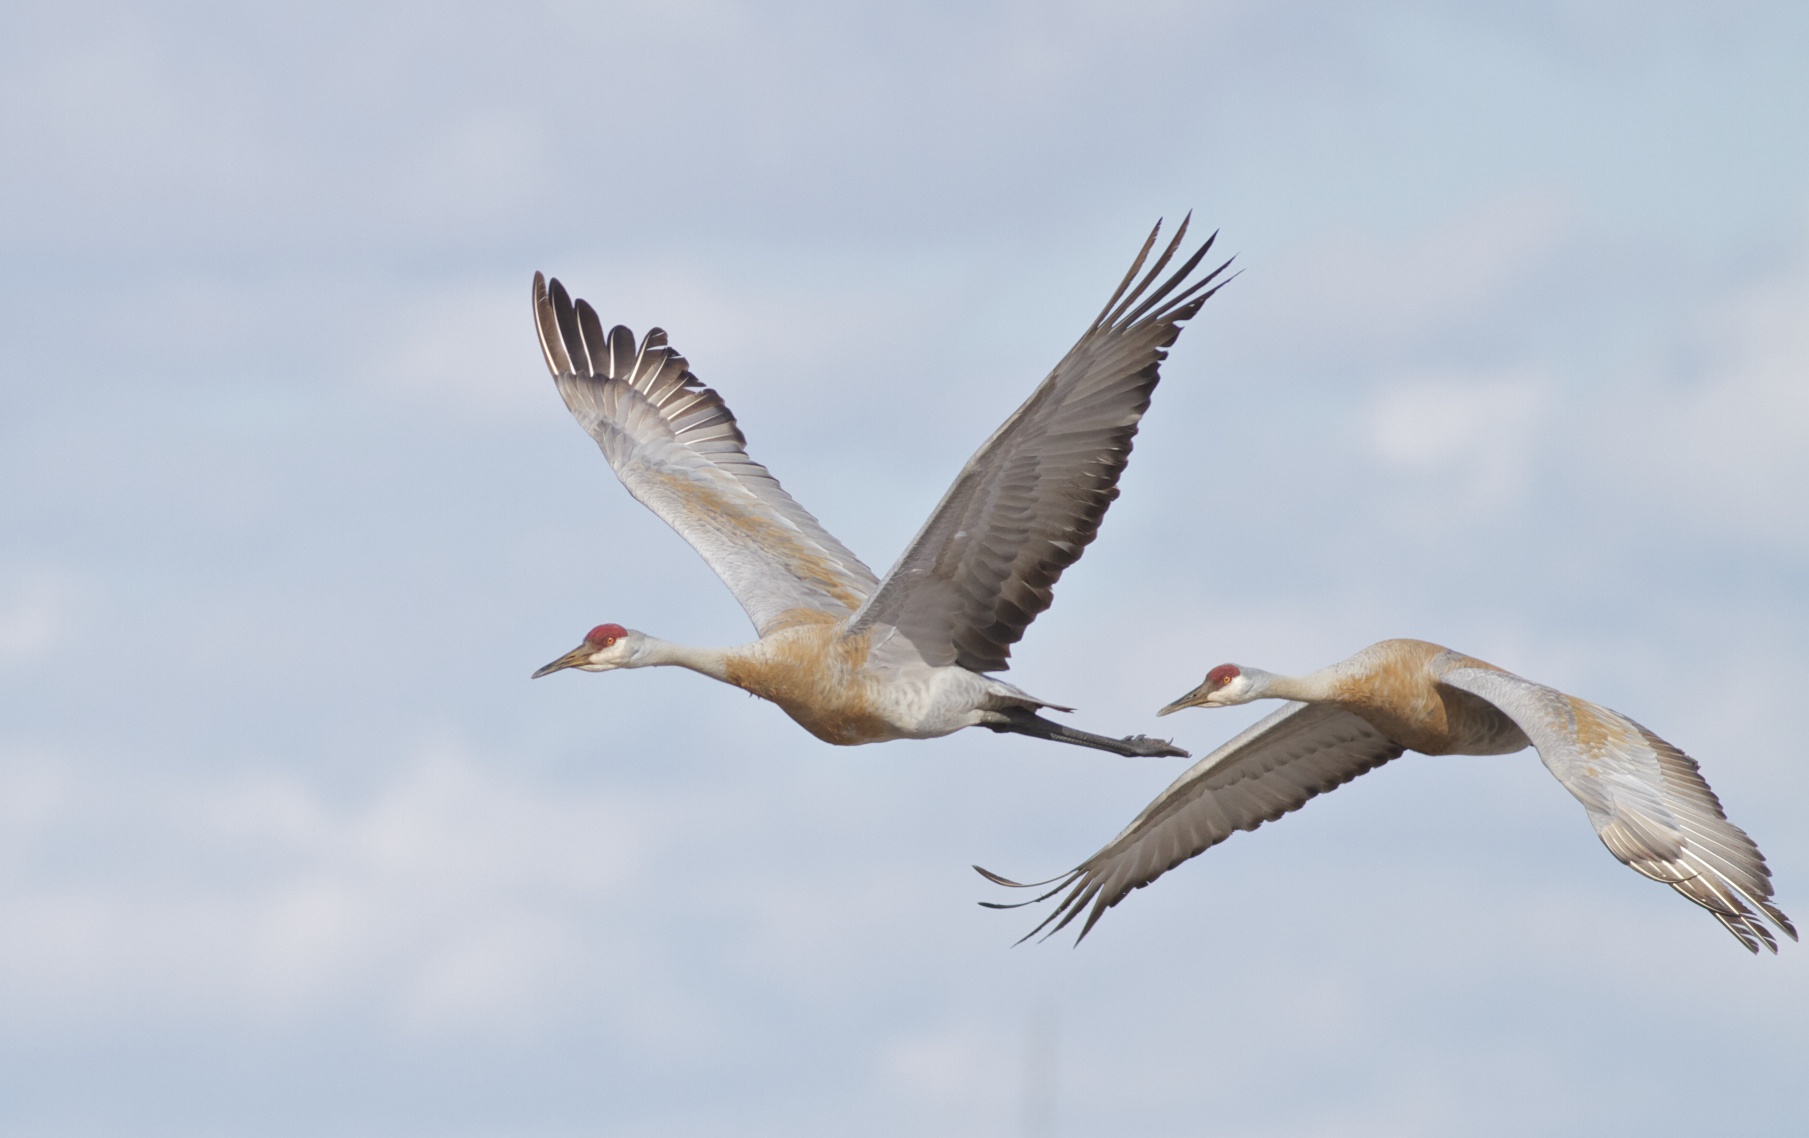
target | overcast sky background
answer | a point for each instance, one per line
(289, 845)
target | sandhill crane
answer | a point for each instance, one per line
(850, 657)
(1646, 799)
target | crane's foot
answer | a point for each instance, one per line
(1143, 745)
(1020, 721)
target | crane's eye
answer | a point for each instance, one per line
(609, 641)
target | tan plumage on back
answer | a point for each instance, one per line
(1647, 799)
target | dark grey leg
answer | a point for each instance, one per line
(1019, 721)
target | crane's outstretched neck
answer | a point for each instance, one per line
(652, 652)
(1229, 685)
(1314, 687)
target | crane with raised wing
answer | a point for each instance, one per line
(849, 656)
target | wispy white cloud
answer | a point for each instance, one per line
(449, 899)
(34, 614)
(1728, 438)
(1363, 292)
(1468, 441)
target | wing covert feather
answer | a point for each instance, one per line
(1031, 498)
(676, 447)
(1646, 799)
(1271, 769)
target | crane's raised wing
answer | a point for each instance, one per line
(1031, 498)
(1303, 750)
(1646, 799)
(676, 447)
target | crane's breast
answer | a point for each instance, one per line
(819, 677)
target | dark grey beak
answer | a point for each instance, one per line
(578, 655)
(1192, 699)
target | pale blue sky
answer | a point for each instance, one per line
(289, 845)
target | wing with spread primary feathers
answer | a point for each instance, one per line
(1647, 800)
(676, 447)
(1031, 499)
(1278, 764)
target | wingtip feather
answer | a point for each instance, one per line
(996, 879)
(546, 325)
(1136, 265)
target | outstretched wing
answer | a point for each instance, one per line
(1031, 498)
(1646, 799)
(1274, 767)
(676, 447)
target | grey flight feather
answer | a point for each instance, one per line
(1032, 497)
(1646, 799)
(675, 446)
(1274, 767)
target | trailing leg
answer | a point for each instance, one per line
(1021, 721)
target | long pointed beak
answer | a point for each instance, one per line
(571, 659)
(1194, 698)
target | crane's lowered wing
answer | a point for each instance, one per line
(1647, 800)
(1031, 498)
(676, 447)
(1270, 769)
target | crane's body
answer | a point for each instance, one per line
(840, 690)
(830, 681)
(1393, 686)
(1646, 799)
(851, 657)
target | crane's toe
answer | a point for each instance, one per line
(1143, 745)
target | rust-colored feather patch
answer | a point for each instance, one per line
(815, 673)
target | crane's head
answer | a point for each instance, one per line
(1224, 686)
(605, 647)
